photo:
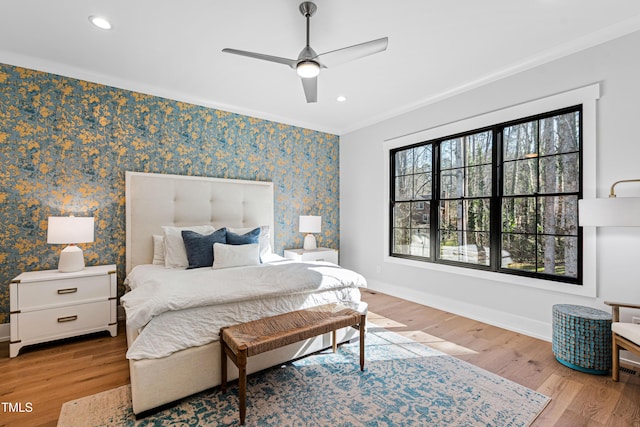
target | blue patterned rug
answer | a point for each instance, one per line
(404, 384)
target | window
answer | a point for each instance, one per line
(502, 198)
(412, 191)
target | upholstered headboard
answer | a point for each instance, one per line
(154, 200)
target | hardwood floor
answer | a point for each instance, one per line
(578, 399)
(49, 375)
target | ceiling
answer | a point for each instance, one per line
(173, 49)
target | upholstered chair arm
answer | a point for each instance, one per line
(615, 308)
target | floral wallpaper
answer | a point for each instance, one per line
(65, 145)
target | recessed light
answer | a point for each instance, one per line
(341, 98)
(100, 22)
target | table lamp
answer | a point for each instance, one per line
(70, 230)
(310, 225)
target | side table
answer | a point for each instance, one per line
(582, 338)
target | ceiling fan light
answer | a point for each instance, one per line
(308, 69)
(100, 22)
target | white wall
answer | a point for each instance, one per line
(363, 181)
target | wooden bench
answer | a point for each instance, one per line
(241, 341)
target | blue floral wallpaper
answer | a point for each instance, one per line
(65, 145)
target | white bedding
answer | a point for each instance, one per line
(176, 309)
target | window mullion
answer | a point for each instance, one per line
(496, 201)
(435, 202)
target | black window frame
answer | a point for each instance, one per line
(496, 198)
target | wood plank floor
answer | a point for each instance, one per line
(47, 375)
(51, 374)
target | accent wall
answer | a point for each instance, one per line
(65, 145)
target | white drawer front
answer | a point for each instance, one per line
(329, 256)
(52, 293)
(62, 321)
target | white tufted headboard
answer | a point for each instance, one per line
(154, 200)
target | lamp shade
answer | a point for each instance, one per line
(310, 224)
(609, 212)
(69, 229)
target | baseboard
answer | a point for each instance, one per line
(5, 332)
(631, 367)
(631, 360)
(512, 322)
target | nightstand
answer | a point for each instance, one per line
(49, 305)
(320, 254)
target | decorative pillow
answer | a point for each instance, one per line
(158, 249)
(264, 240)
(225, 256)
(200, 247)
(252, 236)
(175, 254)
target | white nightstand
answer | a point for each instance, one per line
(320, 254)
(49, 305)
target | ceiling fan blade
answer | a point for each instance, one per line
(346, 54)
(310, 86)
(290, 62)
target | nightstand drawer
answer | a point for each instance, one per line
(63, 321)
(54, 293)
(329, 256)
(320, 254)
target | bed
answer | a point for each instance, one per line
(184, 367)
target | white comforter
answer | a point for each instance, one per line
(176, 309)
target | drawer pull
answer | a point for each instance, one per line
(67, 291)
(67, 319)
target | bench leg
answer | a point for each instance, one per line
(242, 384)
(223, 367)
(334, 340)
(363, 319)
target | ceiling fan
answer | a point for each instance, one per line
(309, 63)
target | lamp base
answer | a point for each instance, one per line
(71, 259)
(309, 242)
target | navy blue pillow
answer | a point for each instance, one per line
(252, 236)
(200, 246)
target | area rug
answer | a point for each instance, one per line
(404, 384)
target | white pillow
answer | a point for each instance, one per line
(225, 256)
(175, 254)
(264, 240)
(158, 249)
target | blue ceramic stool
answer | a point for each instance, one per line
(582, 338)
